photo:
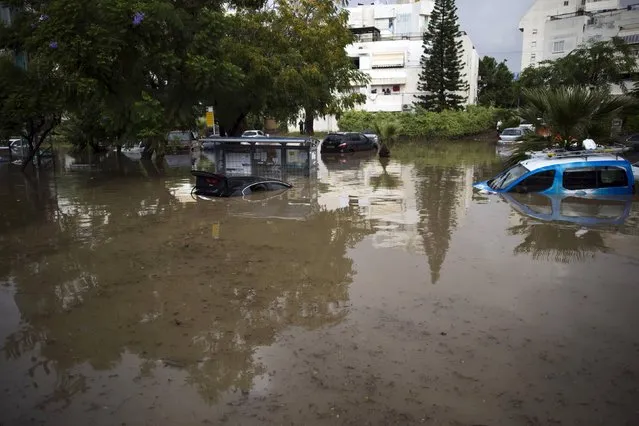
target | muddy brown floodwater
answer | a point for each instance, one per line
(370, 294)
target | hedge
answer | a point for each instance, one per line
(422, 124)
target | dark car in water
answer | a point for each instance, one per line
(347, 142)
(216, 185)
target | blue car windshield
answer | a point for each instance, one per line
(509, 176)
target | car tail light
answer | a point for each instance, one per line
(342, 145)
(212, 181)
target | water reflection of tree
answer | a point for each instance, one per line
(385, 180)
(557, 242)
(161, 287)
(437, 196)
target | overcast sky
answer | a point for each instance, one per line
(493, 27)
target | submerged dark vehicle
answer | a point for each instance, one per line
(216, 185)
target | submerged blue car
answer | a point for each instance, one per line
(582, 175)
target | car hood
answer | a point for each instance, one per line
(483, 186)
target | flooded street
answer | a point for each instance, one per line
(373, 293)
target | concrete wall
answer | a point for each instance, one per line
(533, 24)
(562, 36)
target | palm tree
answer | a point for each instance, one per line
(572, 113)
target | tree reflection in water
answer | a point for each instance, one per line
(552, 242)
(120, 269)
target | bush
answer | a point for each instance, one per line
(423, 124)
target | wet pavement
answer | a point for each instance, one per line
(373, 293)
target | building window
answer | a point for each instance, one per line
(533, 57)
(533, 43)
(566, 3)
(558, 46)
(534, 31)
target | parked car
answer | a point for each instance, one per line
(635, 171)
(254, 134)
(579, 174)
(216, 185)
(513, 135)
(347, 142)
(370, 134)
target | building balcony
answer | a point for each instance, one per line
(394, 102)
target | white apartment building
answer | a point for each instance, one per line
(553, 28)
(389, 49)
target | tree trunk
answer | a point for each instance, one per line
(309, 118)
(147, 153)
(33, 150)
(235, 129)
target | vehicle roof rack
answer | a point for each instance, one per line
(568, 154)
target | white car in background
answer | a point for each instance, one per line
(254, 134)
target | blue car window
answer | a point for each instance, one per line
(536, 182)
(595, 177)
(509, 176)
(583, 178)
(612, 177)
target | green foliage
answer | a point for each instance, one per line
(136, 70)
(594, 65)
(573, 113)
(631, 124)
(496, 86)
(324, 78)
(386, 130)
(423, 124)
(31, 100)
(441, 63)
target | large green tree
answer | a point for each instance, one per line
(31, 101)
(595, 65)
(326, 80)
(134, 71)
(496, 86)
(441, 79)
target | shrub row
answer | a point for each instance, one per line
(422, 124)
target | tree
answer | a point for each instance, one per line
(31, 102)
(594, 65)
(326, 74)
(441, 78)
(572, 112)
(495, 83)
(138, 70)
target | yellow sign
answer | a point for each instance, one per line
(210, 119)
(215, 230)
